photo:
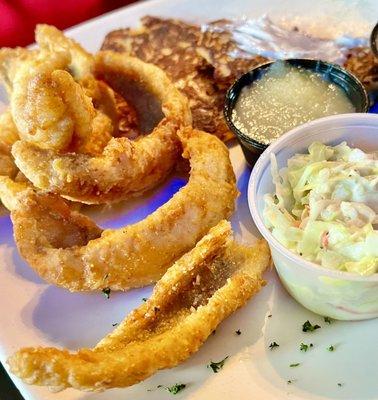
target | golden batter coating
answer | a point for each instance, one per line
(66, 248)
(8, 135)
(13, 181)
(53, 40)
(12, 192)
(81, 68)
(10, 60)
(125, 168)
(197, 293)
(51, 109)
(37, 107)
(52, 93)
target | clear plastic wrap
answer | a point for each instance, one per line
(265, 38)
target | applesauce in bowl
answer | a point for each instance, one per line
(275, 97)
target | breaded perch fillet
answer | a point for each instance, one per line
(198, 292)
(124, 168)
(67, 248)
(8, 135)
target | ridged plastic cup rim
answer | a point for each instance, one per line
(263, 163)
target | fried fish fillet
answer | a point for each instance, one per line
(82, 68)
(13, 192)
(8, 135)
(197, 293)
(51, 110)
(53, 40)
(220, 50)
(52, 93)
(10, 60)
(125, 168)
(67, 249)
(37, 107)
(13, 180)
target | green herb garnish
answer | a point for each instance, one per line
(238, 332)
(273, 345)
(106, 292)
(171, 389)
(294, 365)
(216, 366)
(305, 347)
(328, 320)
(308, 327)
(176, 388)
(144, 299)
(331, 348)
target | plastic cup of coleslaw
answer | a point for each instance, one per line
(333, 293)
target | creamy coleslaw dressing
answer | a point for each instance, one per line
(325, 207)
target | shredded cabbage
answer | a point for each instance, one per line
(325, 207)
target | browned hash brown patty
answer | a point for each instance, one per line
(200, 64)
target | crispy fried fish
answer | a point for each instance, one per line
(125, 168)
(52, 110)
(197, 293)
(82, 69)
(10, 60)
(67, 249)
(37, 107)
(8, 135)
(13, 192)
(53, 94)
(13, 180)
(53, 40)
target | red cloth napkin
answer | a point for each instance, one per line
(19, 17)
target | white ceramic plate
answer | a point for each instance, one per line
(33, 313)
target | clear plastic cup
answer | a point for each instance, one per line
(333, 293)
